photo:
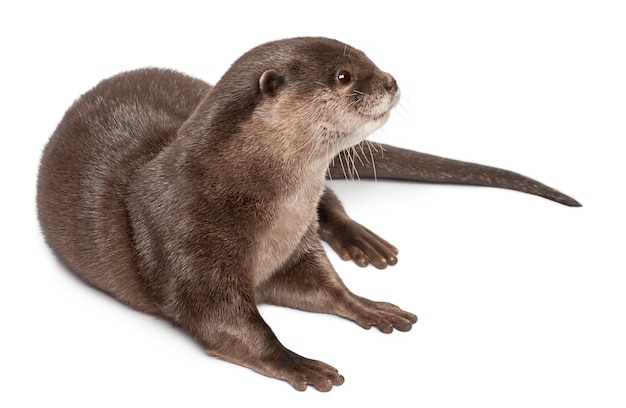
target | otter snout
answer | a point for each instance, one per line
(389, 83)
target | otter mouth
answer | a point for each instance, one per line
(367, 122)
(377, 120)
(384, 115)
(371, 122)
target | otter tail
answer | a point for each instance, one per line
(370, 160)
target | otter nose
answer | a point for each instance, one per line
(390, 84)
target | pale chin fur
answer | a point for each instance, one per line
(368, 128)
(374, 124)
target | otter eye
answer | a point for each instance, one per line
(344, 77)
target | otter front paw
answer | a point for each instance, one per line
(354, 241)
(301, 372)
(272, 359)
(385, 316)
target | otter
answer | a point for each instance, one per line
(196, 203)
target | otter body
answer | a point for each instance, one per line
(196, 203)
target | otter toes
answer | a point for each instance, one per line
(383, 315)
(301, 372)
(354, 241)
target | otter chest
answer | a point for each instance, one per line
(276, 243)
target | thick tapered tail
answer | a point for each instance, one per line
(371, 160)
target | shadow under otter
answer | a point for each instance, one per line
(196, 203)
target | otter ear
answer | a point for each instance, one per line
(270, 82)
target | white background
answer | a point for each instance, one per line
(521, 301)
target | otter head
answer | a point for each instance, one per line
(318, 94)
(334, 90)
(351, 95)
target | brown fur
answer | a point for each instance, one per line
(196, 203)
